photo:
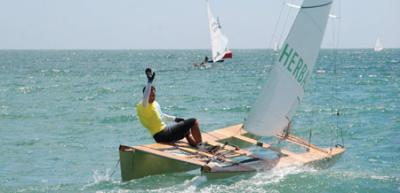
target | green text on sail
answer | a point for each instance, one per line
(294, 63)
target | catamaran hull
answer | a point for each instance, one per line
(137, 164)
(153, 159)
(281, 162)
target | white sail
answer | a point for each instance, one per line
(284, 90)
(378, 45)
(219, 42)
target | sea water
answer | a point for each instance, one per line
(63, 114)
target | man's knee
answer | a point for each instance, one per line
(191, 121)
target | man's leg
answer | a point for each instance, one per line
(189, 129)
(190, 140)
(195, 131)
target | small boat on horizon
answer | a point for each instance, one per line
(378, 45)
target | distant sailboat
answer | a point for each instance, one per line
(276, 48)
(219, 41)
(378, 45)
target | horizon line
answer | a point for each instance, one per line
(127, 49)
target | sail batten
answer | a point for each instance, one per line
(284, 89)
(316, 6)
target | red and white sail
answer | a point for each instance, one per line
(219, 41)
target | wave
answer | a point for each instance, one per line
(29, 89)
(258, 182)
(102, 180)
(118, 119)
(27, 142)
(105, 90)
(354, 175)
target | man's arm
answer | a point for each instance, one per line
(146, 94)
(150, 77)
(167, 117)
(164, 117)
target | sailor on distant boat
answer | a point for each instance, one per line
(205, 60)
(203, 64)
(151, 117)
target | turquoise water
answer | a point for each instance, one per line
(63, 115)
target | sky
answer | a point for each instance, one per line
(183, 24)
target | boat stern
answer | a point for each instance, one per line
(136, 163)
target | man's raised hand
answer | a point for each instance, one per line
(150, 75)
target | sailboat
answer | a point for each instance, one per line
(271, 115)
(378, 45)
(219, 41)
(275, 47)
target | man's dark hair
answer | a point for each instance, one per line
(152, 87)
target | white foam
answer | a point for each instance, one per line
(257, 182)
(100, 177)
(188, 186)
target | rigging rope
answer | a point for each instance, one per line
(335, 37)
(115, 168)
(276, 26)
(274, 38)
(284, 25)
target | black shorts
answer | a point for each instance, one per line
(174, 132)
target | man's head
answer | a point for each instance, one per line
(152, 96)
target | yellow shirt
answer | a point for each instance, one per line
(150, 117)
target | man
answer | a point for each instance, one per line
(205, 60)
(151, 117)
